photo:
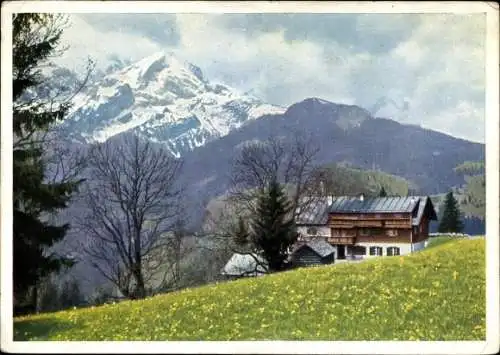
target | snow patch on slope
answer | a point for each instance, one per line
(164, 99)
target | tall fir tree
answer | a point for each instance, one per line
(382, 192)
(273, 226)
(451, 221)
(35, 39)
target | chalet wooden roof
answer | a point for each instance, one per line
(349, 204)
(319, 246)
(315, 212)
(424, 202)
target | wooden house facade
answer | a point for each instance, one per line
(359, 226)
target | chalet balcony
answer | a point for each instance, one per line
(342, 240)
(398, 224)
(365, 224)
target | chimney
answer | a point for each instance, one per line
(361, 197)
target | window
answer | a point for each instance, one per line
(357, 250)
(392, 251)
(415, 230)
(392, 232)
(376, 251)
(312, 230)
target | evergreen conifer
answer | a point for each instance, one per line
(451, 218)
(35, 39)
(273, 227)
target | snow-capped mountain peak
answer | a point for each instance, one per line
(156, 67)
(164, 99)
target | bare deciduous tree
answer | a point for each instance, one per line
(64, 162)
(163, 265)
(132, 204)
(291, 162)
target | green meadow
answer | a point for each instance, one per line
(435, 294)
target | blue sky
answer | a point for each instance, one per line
(425, 69)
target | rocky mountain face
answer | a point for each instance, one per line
(163, 99)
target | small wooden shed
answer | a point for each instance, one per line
(315, 252)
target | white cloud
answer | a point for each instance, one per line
(411, 52)
(282, 72)
(446, 54)
(85, 41)
(464, 120)
(430, 64)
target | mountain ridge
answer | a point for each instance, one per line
(164, 99)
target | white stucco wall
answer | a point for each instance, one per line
(404, 248)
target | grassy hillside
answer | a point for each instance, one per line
(436, 241)
(436, 294)
(344, 180)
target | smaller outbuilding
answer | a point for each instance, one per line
(244, 265)
(314, 252)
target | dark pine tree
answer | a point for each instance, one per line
(35, 39)
(451, 221)
(382, 192)
(273, 227)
